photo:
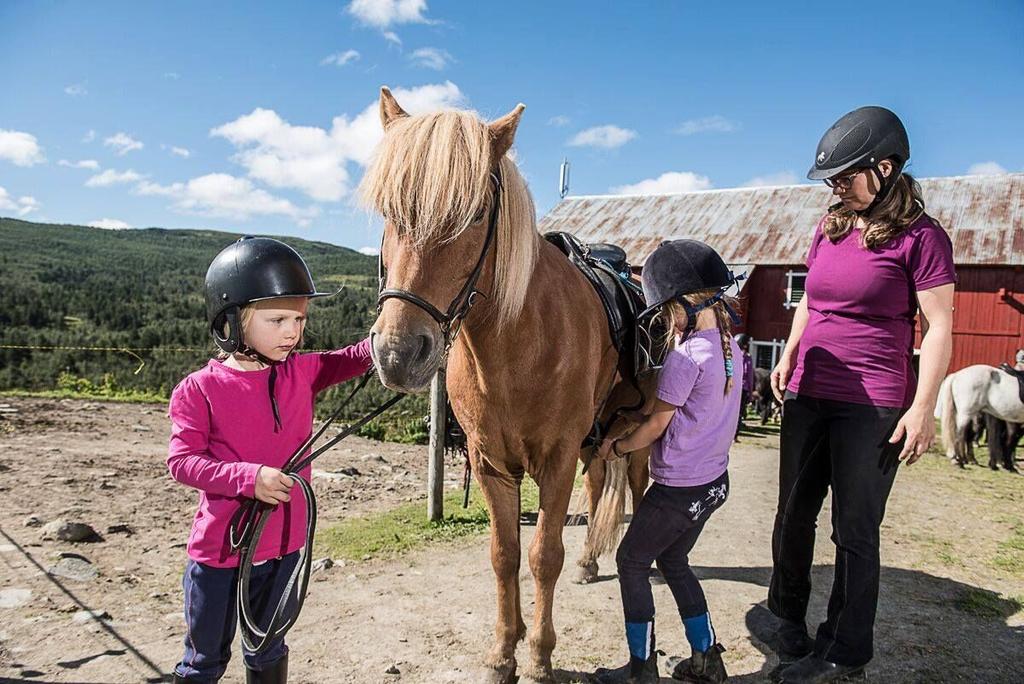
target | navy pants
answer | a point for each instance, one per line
(664, 529)
(843, 446)
(211, 615)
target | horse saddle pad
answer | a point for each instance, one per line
(1017, 374)
(605, 268)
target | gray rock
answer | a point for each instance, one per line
(393, 670)
(74, 566)
(83, 616)
(63, 530)
(14, 597)
(321, 564)
(33, 521)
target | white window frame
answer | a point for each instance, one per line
(788, 303)
(775, 345)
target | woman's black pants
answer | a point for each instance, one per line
(844, 446)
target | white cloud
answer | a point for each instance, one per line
(369, 251)
(76, 89)
(431, 58)
(182, 152)
(312, 159)
(392, 37)
(19, 148)
(21, 206)
(989, 168)
(113, 177)
(123, 143)
(666, 183)
(603, 136)
(109, 224)
(172, 75)
(559, 121)
(89, 136)
(224, 196)
(383, 13)
(709, 124)
(772, 179)
(340, 58)
(81, 164)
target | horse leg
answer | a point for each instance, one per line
(546, 557)
(593, 485)
(639, 472)
(502, 495)
(1013, 439)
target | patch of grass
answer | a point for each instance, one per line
(406, 528)
(942, 549)
(988, 604)
(1010, 553)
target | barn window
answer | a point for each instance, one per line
(766, 353)
(795, 281)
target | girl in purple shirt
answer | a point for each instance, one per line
(234, 424)
(691, 430)
(853, 408)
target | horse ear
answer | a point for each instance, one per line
(503, 131)
(390, 110)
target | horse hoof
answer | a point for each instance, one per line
(503, 672)
(538, 675)
(586, 574)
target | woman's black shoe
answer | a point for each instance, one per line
(792, 641)
(813, 669)
(634, 672)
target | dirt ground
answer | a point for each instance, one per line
(947, 611)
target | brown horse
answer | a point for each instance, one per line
(524, 337)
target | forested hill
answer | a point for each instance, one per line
(74, 286)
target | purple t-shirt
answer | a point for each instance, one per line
(695, 447)
(861, 303)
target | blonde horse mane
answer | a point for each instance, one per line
(431, 179)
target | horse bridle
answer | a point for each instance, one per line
(450, 321)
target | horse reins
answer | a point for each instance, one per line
(247, 527)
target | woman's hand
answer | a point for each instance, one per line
(272, 486)
(780, 376)
(918, 426)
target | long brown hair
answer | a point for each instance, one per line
(892, 216)
(675, 319)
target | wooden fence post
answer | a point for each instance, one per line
(438, 427)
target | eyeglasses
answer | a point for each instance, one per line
(842, 182)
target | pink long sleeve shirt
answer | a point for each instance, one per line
(223, 430)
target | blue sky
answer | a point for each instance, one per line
(260, 116)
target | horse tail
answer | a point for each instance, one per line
(605, 528)
(948, 409)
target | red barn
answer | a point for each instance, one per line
(766, 232)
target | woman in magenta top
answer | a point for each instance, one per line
(852, 406)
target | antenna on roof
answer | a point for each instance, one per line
(563, 179)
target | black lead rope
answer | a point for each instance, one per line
(247, 527)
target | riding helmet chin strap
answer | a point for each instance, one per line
(885, 186)
(692, 311)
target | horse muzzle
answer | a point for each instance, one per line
(406, 362)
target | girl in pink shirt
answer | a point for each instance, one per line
(235, 423)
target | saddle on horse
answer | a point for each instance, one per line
(606, 269)
(1019, 374)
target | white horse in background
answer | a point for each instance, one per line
(969, 393)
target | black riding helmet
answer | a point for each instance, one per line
(860, 140)
(247, 271)
(681, 267)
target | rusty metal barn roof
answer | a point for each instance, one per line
(773, 225)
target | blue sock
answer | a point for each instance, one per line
(639, 636)
(699, 632)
